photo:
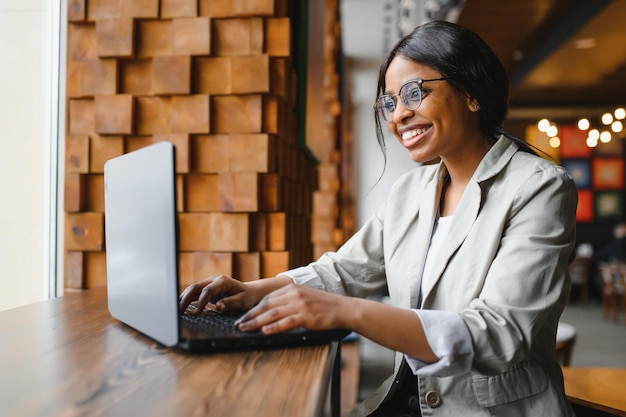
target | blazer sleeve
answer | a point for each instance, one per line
(527, 282)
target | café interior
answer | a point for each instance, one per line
(264, 186)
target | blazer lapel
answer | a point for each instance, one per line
(464, 216)
(429, 208)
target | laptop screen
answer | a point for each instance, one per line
(141, 243)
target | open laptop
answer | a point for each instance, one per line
(141, 238)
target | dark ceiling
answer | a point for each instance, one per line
(561, 54)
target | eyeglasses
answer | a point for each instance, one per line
(410, 93)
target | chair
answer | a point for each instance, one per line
(565, 340)
(579, 275)
(610, 286)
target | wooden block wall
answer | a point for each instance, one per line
(216, 78)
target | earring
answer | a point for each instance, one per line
(476, 106)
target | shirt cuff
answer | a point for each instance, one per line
(305, 275)
(449, 339)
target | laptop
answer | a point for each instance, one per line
(141, 238)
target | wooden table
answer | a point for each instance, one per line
(601, 389)
(68, 357)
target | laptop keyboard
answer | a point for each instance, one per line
(212, 323)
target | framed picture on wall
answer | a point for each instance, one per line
(609, 205)
(608, 173)
(574, 143)
(584, 211)
(580, 170)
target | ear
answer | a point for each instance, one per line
(473, 105)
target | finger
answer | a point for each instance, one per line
(189, 295)
(219, 287)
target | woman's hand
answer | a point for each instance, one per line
(223, 292)
(295, 306)
(227, 293)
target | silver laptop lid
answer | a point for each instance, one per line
(141, 246)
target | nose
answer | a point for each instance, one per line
(401, 113)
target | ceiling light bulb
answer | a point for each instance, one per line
(605, 137)
(607, 118)
(592, 143)
(594, 134)
(555, 142)
(583, 124)
(552, 131)
(620, 113)
(617, 126)
(543, 125)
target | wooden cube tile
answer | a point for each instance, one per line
(98, 76)
(272, 115)
(81, 41)
(206, 264)
(280, 81)
(132, 143)
(247, 266)
(233, 37)
(154, 38)
(328, 178)
(95, 193)
(325, 204)
(257, 33)
(323, 229)
(115, 37)
(76, 10)
(277, 231)
(74, 269)
(171, 75)
(250, 74)
(72, 79)
(258, 232)
(189, 114)
(239, 191)
(273, 263)
(103, 148)
(104, 9)
(178, 8)
(185, 270)
(271, 197)
(194, 232)
(210, 153)
(181, 142)
(278, 36)
(141, 9)
(153, 115)
(202, 192)
(84, 231)
(136, 76)
(229, 232)
(95, 269)
(180, 193)
(213, 75)
(74, 196)
(237, 114)
(77, 154)
(215, 8)
(192, 36)
(114, 114)
(253, 8)
(252, 152)
(82, 117)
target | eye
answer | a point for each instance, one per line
(386, 103)
(413, 93)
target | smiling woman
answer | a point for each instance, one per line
(29, 78)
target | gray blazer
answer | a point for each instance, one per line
(505, 270)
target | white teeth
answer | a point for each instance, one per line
(412, 133)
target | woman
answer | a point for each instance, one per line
(474, 250)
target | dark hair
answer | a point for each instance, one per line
(469, 65)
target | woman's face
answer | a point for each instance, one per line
(444, 125)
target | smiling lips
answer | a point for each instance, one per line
(410, 134)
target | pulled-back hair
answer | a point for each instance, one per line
(468, 64)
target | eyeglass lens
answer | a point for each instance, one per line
(410, 94)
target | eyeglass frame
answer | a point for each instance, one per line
(419, 82)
